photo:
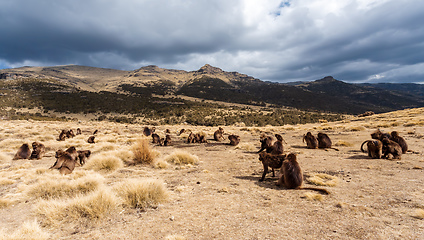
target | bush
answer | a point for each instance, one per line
(180, 158)
(105, 162)
(142, 152)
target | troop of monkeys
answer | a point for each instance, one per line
(70, 134)
(385, 145)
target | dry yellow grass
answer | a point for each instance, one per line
(58, 187)
(104, 162)
(143, 154)
(313, 196)
(181, 157)
(322, 179)
(142, 193)
(28, 231)
(174, 237)
(4, 203)
(343, 143)
(419, 213)
(81, 209)
(246, 146)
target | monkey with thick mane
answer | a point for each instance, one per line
(155, 138)
(234, 139)
(379, 135)
(23, 152)
(292, 177)
(311, 140)
(266, 142)
(391, 149)
(38, 150)
(374, 148)
(147, 131)
(66, 160)
(217, 135)
(324, 141)
(394, 136)
(91, 139)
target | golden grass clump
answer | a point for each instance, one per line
(83, 209)
(246, 146)
(4, 203)
(343, 143)
(142, 152)
(181, 157)
(356, 128)
(29, 230)
(419, 213)
(104, 162)
(50, 188)
(142, 193)
(6, 181)
(313, 196)
(160, 163)
(322, 179)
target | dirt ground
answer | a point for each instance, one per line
(221, 197)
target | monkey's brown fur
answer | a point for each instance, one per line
(277, 147)
(62, 136)
(70, 133)
(155, 138)
(79, 132)
(311, 140)
(266, 142)
(379, 135)
(147, 131)
(292, 177)
(272, 161)
(23, 152)
(196, 138)
(167, 141)
(234, 139)
(324, 141)
(400, 140)
(91, 139)
(83, 155)
(66, 160)
(374, 148)
(38, 150)
(391, 149)
(217, 135)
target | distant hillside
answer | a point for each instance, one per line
(211, 83)
(411, 88)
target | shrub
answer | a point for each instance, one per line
(181, 157)
(142, 193)
(142, 152)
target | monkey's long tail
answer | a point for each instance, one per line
(321, 190)
(362, 146)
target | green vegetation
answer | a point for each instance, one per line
(139, 107)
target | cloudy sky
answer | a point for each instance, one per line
(351, 40)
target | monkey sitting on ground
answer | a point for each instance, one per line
(277, 147)
(266, 142)
(167, 141)
(324, 141)
(272, 161)
(66, 160)
(400, 140)
(83, 155)
(147, 131)
(311, 140)
(196, 138)
(374, 147)
(379, 135)
(62, 136)
(23, 152)
(79, 132)
(70, 133)
(155, 138)
(38, 150)
(391, 149)
(91, 139)
(234, 140)
(217, 135)
(292, 177)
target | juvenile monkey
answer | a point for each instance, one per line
(311, 140)
(292, 177)
(91, 139)
(79, 132)
(155, 138)
(70, 133)
(217, 135)
(167, 141)
(23, 152)
(272, 161)
(83, 155)
(38, 150)
(62, 136)
(234, 139)
(400, 140)
(374, 148)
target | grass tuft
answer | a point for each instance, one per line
(104, 162)
(419, 213)
(313, 196)
(181, 158)
(142, 152)
(142, 193)
(29, 230)
(322, 179)
(81, 209)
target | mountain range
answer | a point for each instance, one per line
(211, 83)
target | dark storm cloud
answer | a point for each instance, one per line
(352, 40)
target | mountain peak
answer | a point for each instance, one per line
(208, 69)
